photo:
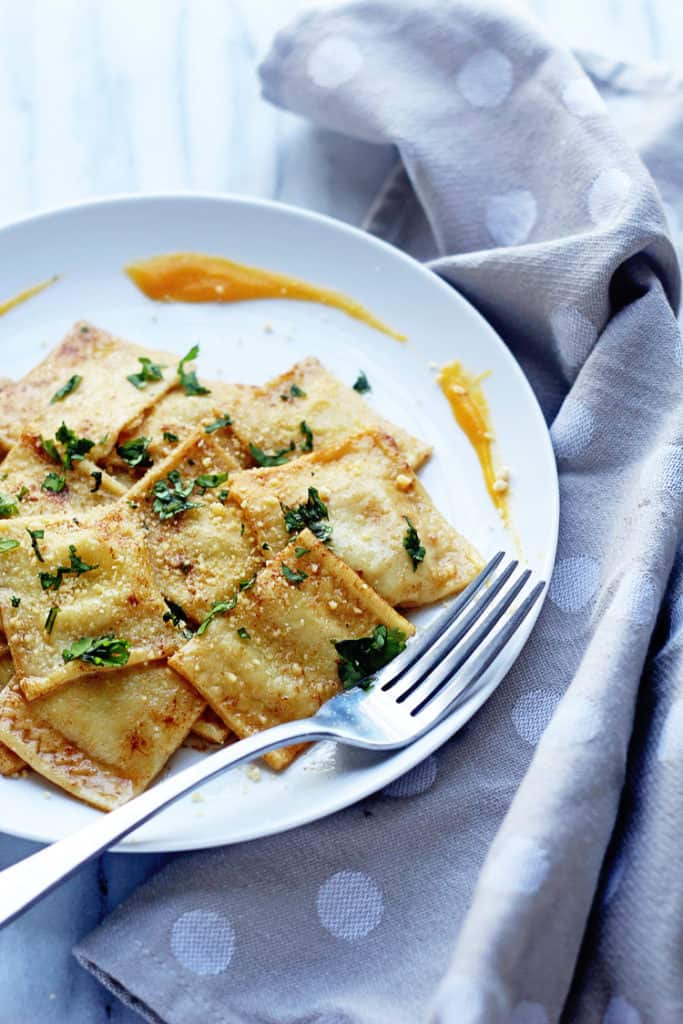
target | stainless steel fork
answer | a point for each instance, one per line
(440, 671)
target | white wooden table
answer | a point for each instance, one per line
(152, 95)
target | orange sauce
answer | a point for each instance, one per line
(195, 277)
(28, 293)
(470, 408)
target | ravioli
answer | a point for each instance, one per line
(103, 401)
(10, 763)
(211, 729)
(282, 664)
(118, 597)
(29, 471)
(102, 738)
(309, 394)
(370, 493)
(203, 554)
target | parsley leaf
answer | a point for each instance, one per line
(51, 616)
(222, 421)
(53, 581)
(307, 446)
(171, 496)
(75, 448)
(66, 389)
(178, 616)
(35, 536)
(8, 544)
(101, 650)
(411, 542)
(171, 437)
(23, 491)
(361, 658)
(135, 452)
(16, 601)
(207, 480)
(294, 392)
(8, 506)
(311, 515)
(293, 575)
(300, 551)
(97, 477)
(248, 584)
(149, 372)
(362, 385)
(53, 482)
(276, 459)
(188, 378)
(219, 608)
(243, 633)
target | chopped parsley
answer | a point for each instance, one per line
(35, 536)
(411, 542)
(223, 497)
(101, 650)
(8, 544)
(311, 514)
(178, 616)
(171, 496)
(75, 448)
(135, 452)
(53, 482)
(188, 378)
(300, 551)
(362, 385)
(360, 659)
(8, 506)
(76, 567)
(248, 584)
(51, 616)
(222, 421)
(97, 477)
(295, 576)
(219, 608)
(16, 601)
(207, 480)
(294, 392)
(66, 389)
(276, 459)
(23, 491)
(243, 633)
(307, 446)
(149, 372)
(171, 437)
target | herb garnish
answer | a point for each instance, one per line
(361, 658)
(216, 609)
(178, 616)
(207, 480)
(97, 477)
(149, 372)
(53, 581)
(243, 633)
(51, 616)
(295, 576)
(311, 515)
(171, 496)
(294, 392)
(222, 421)
(411, 542)
(276, 459)
(188, 378)
(8, 544)
(75, 448)
(101, 650)
(35, 536)
(300, 551)
(66, 389)
(362, 384)
(135, 452)
(23, 491)
(170, 437)
(248, 584)
(307, 446)
(8, 506)
(16, 601)
(53, 482)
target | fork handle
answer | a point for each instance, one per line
(32, 878)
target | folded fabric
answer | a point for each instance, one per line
(531, 870)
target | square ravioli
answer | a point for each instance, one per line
(89, 369)
(308, 393)
(271, 659)
(198, 543)
(370, 496)
(39, 486)
(102, 739)
(78, 597)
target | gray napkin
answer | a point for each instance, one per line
(531, 870)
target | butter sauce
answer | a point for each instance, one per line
(28, 293)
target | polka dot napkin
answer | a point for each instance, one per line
(531, 870)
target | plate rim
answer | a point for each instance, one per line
(427, 744)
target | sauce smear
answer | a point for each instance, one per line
(195, 277)
(470, 408)
(28, 293)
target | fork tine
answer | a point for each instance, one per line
(460, 687)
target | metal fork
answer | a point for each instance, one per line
(441, 670)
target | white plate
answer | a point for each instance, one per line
(88, 245)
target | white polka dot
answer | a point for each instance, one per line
(418, 780)
(615, 879)
(511, 216)
(203, 941)
(532, 712)
(573, 583)
(607, 195)
(466, 997)
(663, 470)
(528, 1013)
(620, 1011)
(572, 431)
(636, 598)
(670, 746)
(582, 99)
(486, 78)
(576, 335)
(349, 905)
(519, 864)
(577, 721)
(334, 61)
